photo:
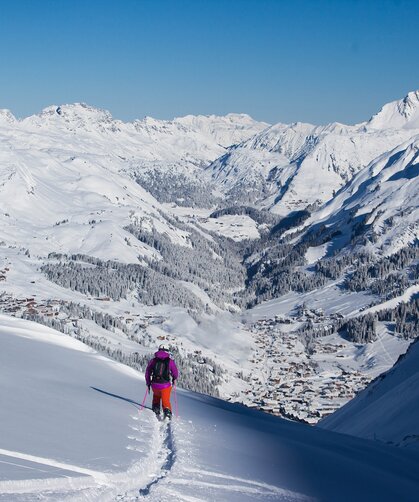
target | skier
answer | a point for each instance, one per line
(161, 372)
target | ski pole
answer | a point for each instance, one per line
(144, 400)
(175, 396)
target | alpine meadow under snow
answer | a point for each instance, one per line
(280, 264)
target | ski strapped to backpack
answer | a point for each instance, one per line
(161, 371)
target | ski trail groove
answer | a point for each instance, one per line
(99, 477)
(170, 458)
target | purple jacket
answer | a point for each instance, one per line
(161, 354)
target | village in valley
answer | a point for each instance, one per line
(290, 381)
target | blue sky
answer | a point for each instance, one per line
(280, 61)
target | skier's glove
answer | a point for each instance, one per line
(149, 388)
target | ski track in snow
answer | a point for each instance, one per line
(152, 478)
(218, 482)
(187, 481)
(168, 455)
(99, 477)
(135, 484)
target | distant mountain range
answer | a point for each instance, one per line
(78, 165)
(288, 167)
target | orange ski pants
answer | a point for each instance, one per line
(162, 395)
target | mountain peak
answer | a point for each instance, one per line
(72, 110)
(6, 116)
(403, 113)
(75, 116)
(409, 105)
(239, 119)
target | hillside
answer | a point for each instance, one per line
(378, 208)
(387, 410)
(72, 431)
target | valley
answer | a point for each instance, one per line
(212, 234)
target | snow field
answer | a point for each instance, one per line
(73, 432)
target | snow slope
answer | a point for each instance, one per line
(71, 430)
(383, 198)
(388, 409)
(73, 164)
(60, 190)
(288, 167)
(402, 114)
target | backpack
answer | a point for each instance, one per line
(161, 371)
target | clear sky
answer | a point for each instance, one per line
(278, 60)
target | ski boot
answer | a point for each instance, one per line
(156, 411)
(167, 414)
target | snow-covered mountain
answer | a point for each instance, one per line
(400, 114)
(289, 167)
(56, 197)
(187, 144)
(223, 131)
(76, 164)
(387, 409)
(381, 203)
(72, 430)
(202, 138)
(158, 153)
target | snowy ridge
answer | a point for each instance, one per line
(74, 118)
(384, 198)
(202, 138)
(288, 167)
(402, 113)
(7, 117)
